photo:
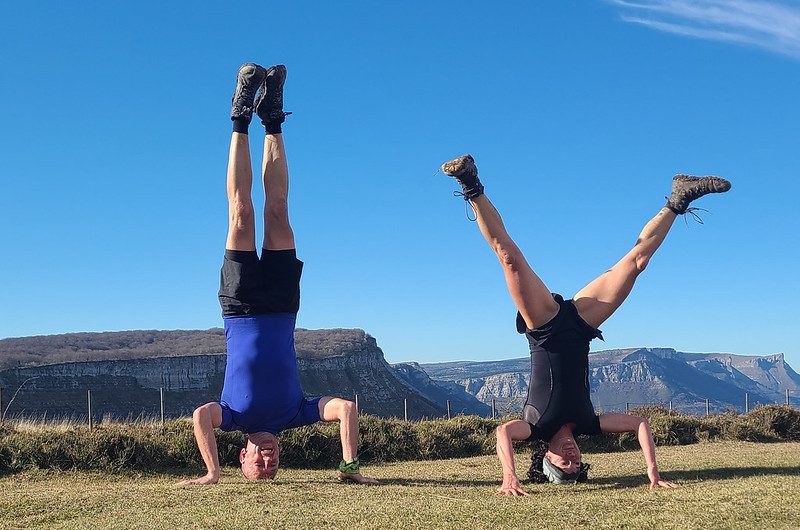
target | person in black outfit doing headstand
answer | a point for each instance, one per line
(558, 407)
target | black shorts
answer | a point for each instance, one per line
(252, 286)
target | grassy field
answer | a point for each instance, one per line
(722, 485)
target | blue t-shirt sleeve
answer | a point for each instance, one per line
(227, 418)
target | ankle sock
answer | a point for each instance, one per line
(272, 127)
(241, 125)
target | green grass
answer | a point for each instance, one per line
(722, 485)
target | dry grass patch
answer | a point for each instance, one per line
(723, 485)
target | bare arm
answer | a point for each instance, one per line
(343, 411)
(205, 419)
(508, 433)
(628, 423)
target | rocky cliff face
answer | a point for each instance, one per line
(331, 362)
(639, 376)
(461, 402)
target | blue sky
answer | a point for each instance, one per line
(115, 136)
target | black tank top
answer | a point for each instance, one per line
(559, 389)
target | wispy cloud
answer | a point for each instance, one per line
(769, 25)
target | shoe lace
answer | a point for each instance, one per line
(466, 207)
(463, 196)
(691, 211)
(695, 217)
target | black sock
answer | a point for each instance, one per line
(240, 125)
(272, 127)
(289, 253)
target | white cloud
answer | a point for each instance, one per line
(769, 25)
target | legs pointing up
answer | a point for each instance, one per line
(598, 300)
(241, 217)
(530, 294)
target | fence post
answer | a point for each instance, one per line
(494, 406)
(3, 411)
(670, 406)
(708, 407)
(357, 411)
(162, 405)
(448, 409)
(405, 409)
(627, 407)
(746, 403)
(787, 396)
(89, 403)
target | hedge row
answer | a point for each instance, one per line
(117, 447)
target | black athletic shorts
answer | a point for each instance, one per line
(252, 286)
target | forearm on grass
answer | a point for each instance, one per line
(507, 434)
(205, 419)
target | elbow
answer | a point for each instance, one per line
(501, 434)
(201, 414)
(347, 410)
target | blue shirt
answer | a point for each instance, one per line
(262, 391)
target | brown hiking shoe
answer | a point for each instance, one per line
(464, 170)
(269, 101)
(686, 188)
(248, 80)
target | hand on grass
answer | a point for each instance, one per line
(206, 479)
(511, 487)
(358, 479)
(657, 482)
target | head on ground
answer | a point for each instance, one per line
(558, 461)
(260, 458)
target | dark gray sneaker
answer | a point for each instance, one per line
(269, 102)
(248, 80)
(464, 170)
(686, 188)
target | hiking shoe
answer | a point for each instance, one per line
(463, 169)
(269, 101)
(686, 188)
(248, 80)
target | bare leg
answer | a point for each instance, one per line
(241, 216)
(530, 294)
(598, 300)
(278, 233)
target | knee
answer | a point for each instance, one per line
(241, 215)
(639, 259)
(278, 211)
(640, 262)
(508, 254)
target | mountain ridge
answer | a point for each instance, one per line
(189, 364)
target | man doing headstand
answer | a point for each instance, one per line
(260, 298)
(558, 407)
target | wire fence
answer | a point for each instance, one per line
(707, 407)
(159, 405)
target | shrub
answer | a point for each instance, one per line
(674, 430)
(143, 446)
(779, 420)
(312, 446)
(650, 411)
(385, 440)
(448, 439)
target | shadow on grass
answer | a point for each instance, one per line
(625, 481)
(614, 482)
(411, 482)
(722, 473)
